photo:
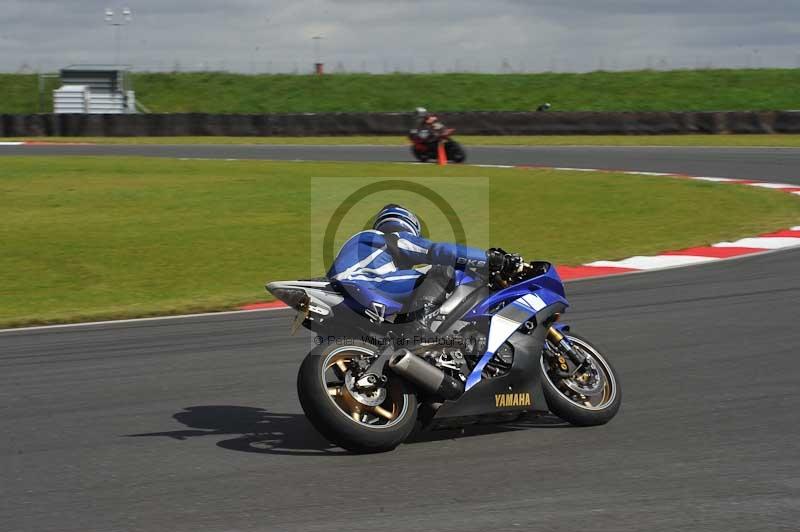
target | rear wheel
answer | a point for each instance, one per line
(590, 397)
(358, 420)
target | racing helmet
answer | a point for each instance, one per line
(394, 219)
(421, 112)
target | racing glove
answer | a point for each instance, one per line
(495, 259)
(500, 263)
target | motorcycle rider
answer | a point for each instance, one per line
(429, 122)
(376, 266)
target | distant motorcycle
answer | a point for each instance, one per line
(425, 145)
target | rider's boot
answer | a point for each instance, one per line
(428, 297)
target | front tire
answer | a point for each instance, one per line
(336, 410)
(455, 152)
(573, 407)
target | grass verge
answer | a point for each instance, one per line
(89, 238)
(735, 141)
(646, 90)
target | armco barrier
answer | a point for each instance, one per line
(334, 124)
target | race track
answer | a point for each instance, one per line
(747, 163)
(194, 425)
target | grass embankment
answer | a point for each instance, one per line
(734, 141)
(90, 238)
(688, 90)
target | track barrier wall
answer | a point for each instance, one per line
(343, 124)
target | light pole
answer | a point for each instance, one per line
(318, 68)
(125, 18)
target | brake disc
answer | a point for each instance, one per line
(588, 383)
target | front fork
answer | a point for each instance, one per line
(564, 346)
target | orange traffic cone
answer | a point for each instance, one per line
(442, 154)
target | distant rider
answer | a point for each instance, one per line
(429, 126)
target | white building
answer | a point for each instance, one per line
(94, 89)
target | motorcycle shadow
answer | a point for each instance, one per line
(256, 430)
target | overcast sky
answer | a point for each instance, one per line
(385, 35)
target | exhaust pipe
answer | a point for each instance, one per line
(427, 376)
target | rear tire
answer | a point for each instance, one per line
(327, 415)
(567, 407)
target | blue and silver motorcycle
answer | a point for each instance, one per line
(494, 351)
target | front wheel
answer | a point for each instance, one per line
(455, 152)
(358, 420)
(591, 397)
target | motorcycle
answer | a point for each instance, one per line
(496, 351)
(425, 148)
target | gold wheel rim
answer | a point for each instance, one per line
(383, 415)
(609, 380)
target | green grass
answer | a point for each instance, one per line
(19, 94)
(90, 238)
(784, 141)
(687, 90)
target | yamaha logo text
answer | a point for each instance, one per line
(512, 399)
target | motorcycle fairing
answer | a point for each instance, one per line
(537, 299)
(549, 281)
(506, 321)
(523, 378)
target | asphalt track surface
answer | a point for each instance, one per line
(747, 163)
(194, 425)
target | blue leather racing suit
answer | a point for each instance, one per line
(386, 267)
